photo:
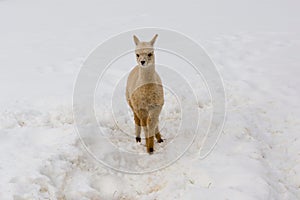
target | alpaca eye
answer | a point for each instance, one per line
(149, 54)
(137, 55)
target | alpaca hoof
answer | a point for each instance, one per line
(151, 150)
(138, 139)
(160, 140)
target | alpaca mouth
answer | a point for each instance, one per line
(144, 66)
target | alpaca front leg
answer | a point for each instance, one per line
(152, 124)
(137, 128)
(138, 133)
(149, 140)
(150, 144)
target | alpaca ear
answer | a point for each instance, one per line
(153, 39)
(136, 40)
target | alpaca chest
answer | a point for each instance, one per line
(148, 96)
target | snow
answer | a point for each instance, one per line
(255, 46)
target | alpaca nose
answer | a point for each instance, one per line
(143, 62)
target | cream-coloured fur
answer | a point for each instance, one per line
(144, 93)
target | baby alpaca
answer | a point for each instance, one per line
(144, 93)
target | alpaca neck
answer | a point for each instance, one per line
(147, 75)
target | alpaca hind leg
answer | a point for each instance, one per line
(157, 135)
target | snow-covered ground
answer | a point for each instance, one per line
(255, 46)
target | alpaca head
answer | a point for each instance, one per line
(144, 52)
